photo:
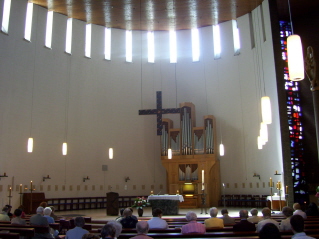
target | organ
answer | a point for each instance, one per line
(194, 165)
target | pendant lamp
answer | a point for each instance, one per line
(295, 58)
(264, 132)
(30, 145)
(64, 148)
(221, 149)
(110, 153)
(169, 153)
(266, 110)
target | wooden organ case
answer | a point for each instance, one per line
(194, 158)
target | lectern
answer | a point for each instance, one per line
(112, 204)
(31, 201)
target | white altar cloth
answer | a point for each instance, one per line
(276, 198)
(166, 197)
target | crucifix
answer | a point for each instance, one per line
(159, 111)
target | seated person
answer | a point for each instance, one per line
(297, 226)
(117, 226)
(285, 223)
(157, 221)
(312, 210)
(254, 218)
(214, 221)
(267, 219)
(108, 231)
(39, 219)
(78, 231)
(128, 221)
(192, 226)
(55, 217)
(298, 210)
(17, 219)
(119, 218)
(244, 225)
(47, 212)
(268, 231)
(4, 214)
(21, 207)
(9, 210)
(227, 219)
(142, 230)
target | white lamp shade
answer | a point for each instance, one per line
(264, 132)
(221, 150)
(266, 110)
(295, 58)
(169, 153)
(259, 143)
(30, 145)
(110, 153)
(64, 149)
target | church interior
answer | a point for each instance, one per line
(93, 94)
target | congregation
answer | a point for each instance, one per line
(264, 225)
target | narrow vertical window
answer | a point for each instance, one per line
(236, 37)
(28, 22)
(88, 33)
(129, 46)
(195, 44)
(6, 16)
(150, 43)
(263, 22)
(48, 35)
(107, 49)
(172, 47)
(216, 39)
(68, 39)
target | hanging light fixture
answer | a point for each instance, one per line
(295, 58)
(264, 132)
(64, 148)
(110, 153)
(221, 149)
(169, 153)
(266, 110)
(30, 145)
(295, 55)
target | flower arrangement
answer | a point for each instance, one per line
(317, 194)
(140, 202)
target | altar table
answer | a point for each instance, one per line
(275, 205)
(169, 204)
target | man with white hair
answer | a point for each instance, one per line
(254, 218)
(298, 210)
(192, 226)
(40, 220)
(142, 230)
(214, 221)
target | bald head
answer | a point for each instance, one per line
(266, 212)
(243, 214)
(142, 227)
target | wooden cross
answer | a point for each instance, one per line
(159, 111)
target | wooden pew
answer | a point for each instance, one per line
(26, 232)
(9, 235)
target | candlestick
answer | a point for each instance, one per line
(286, 189)
(203, 186)
(270, 182)
(10, 190)
(20, 188)
(31, 186)
(177, 192)
(4, 174)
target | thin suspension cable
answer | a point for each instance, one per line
(175, 86)
(292, 29)
(261, 55)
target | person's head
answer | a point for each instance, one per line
(43, 204)
(157, 212)
(118, 227)
(9, 207)
(5, 209)
(287, 211)
(254, 211)
(131, 209)
(127, 212)
(121, 211)
(296, 206)
(243, 214)
(40, 210)
(90, 236)
(17, 212)
(108, 231)
(79, 222)
(191, 216)
(142, 227)
(47, 211)
(269, 231)
(297, 223)
(213, 212)
(224, 211)
(266, 212)
(313, 206)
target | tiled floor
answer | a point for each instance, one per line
(101, 213)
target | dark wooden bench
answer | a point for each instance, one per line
(9, 235)
(26, 232)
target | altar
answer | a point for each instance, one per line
(275, 203)
(169, 204)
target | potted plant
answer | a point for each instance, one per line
(140, 203)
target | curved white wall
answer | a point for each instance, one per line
(103, 102)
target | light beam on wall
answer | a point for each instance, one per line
(107, 45)
(195, 44)
(150, 44)
(49, 26)
(172, 46)
(216, 41)
(236, 37)
(6, 16)
(68, 39)
(28, 22)
(88, 35)
(129, 46)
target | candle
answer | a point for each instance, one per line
(270, 182)
(31, 186)
(177, 192)
(286, 189)
(20, 188)
(48, 176)
(203, 186)
(4, 174)
(10, 189)
(276, 172)
(151, 192)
